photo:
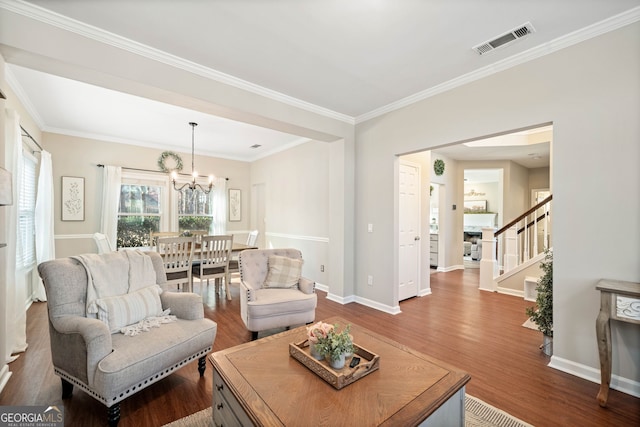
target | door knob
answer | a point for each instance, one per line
(416, 238)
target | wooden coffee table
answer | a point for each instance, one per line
(259, 383)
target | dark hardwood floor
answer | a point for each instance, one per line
(477, 331)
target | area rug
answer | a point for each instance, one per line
(477, 414)
(530, 324)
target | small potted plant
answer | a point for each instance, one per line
(315, 333)
(335, 346)
(542, 313)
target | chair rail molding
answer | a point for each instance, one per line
(73, 236)
(298, 237)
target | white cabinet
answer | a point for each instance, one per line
(226, 409)
(433, 250)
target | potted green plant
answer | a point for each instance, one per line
(542, 313)
(315, 333)
(335, 346)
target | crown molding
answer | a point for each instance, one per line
(89, 31)
(176, 148)
(48, 17)
(578, 36)
(22, 96)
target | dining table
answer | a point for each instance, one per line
(239, 247)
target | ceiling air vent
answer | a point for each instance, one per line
(504, 39)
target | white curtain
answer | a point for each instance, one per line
(15, 311)
(111, 181)
(219, 200)
(45, 244)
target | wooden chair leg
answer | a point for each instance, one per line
(113, 415)
(227, 287)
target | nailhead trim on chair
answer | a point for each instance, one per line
(135, 388)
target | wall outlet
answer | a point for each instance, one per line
(370, 280)
(322, 268)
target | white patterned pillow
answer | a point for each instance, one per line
(284, 272)
(124, 310)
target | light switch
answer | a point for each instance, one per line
(370, 228)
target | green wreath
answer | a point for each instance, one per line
(176, 158)
(438, 167)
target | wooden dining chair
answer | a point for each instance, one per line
(177, 255)
(213, 262)
(197, 234)
(233, 263)
(252, 237)
(103, 244)
(154, 235)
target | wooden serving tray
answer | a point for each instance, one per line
(338, 378)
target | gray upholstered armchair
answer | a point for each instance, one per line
(272, 292)
(109, 354)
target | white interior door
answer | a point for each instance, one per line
(409, 235)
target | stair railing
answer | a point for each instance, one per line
(515, 243)
(524, 237)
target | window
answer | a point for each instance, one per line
(149, 203)
(26, 256)
(139, 213)
(194, 210)
(143, 208)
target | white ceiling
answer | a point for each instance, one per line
(350, 60)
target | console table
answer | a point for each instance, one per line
(259, 383)
(619, 300)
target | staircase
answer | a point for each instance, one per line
(512, 254)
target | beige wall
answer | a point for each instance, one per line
(74, 156)
(539, 178)
(496, 195)
(491, 195)
(296, 184)
(590, 93)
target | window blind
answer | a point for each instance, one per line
(26, 255)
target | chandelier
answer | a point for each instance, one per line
(193, 185)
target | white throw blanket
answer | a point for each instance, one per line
(115, 273)
(148, 323)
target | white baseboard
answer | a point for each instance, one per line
(321, 287)
(450, 268)
(364, 301)
(5, 374)
(512, 292)
(424, 292)
(625, 385)
(339, 299)
(381, 307)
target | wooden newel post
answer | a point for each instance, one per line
(488, 262)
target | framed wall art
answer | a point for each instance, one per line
(475, 206)
(72, 198)
(235, 205)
